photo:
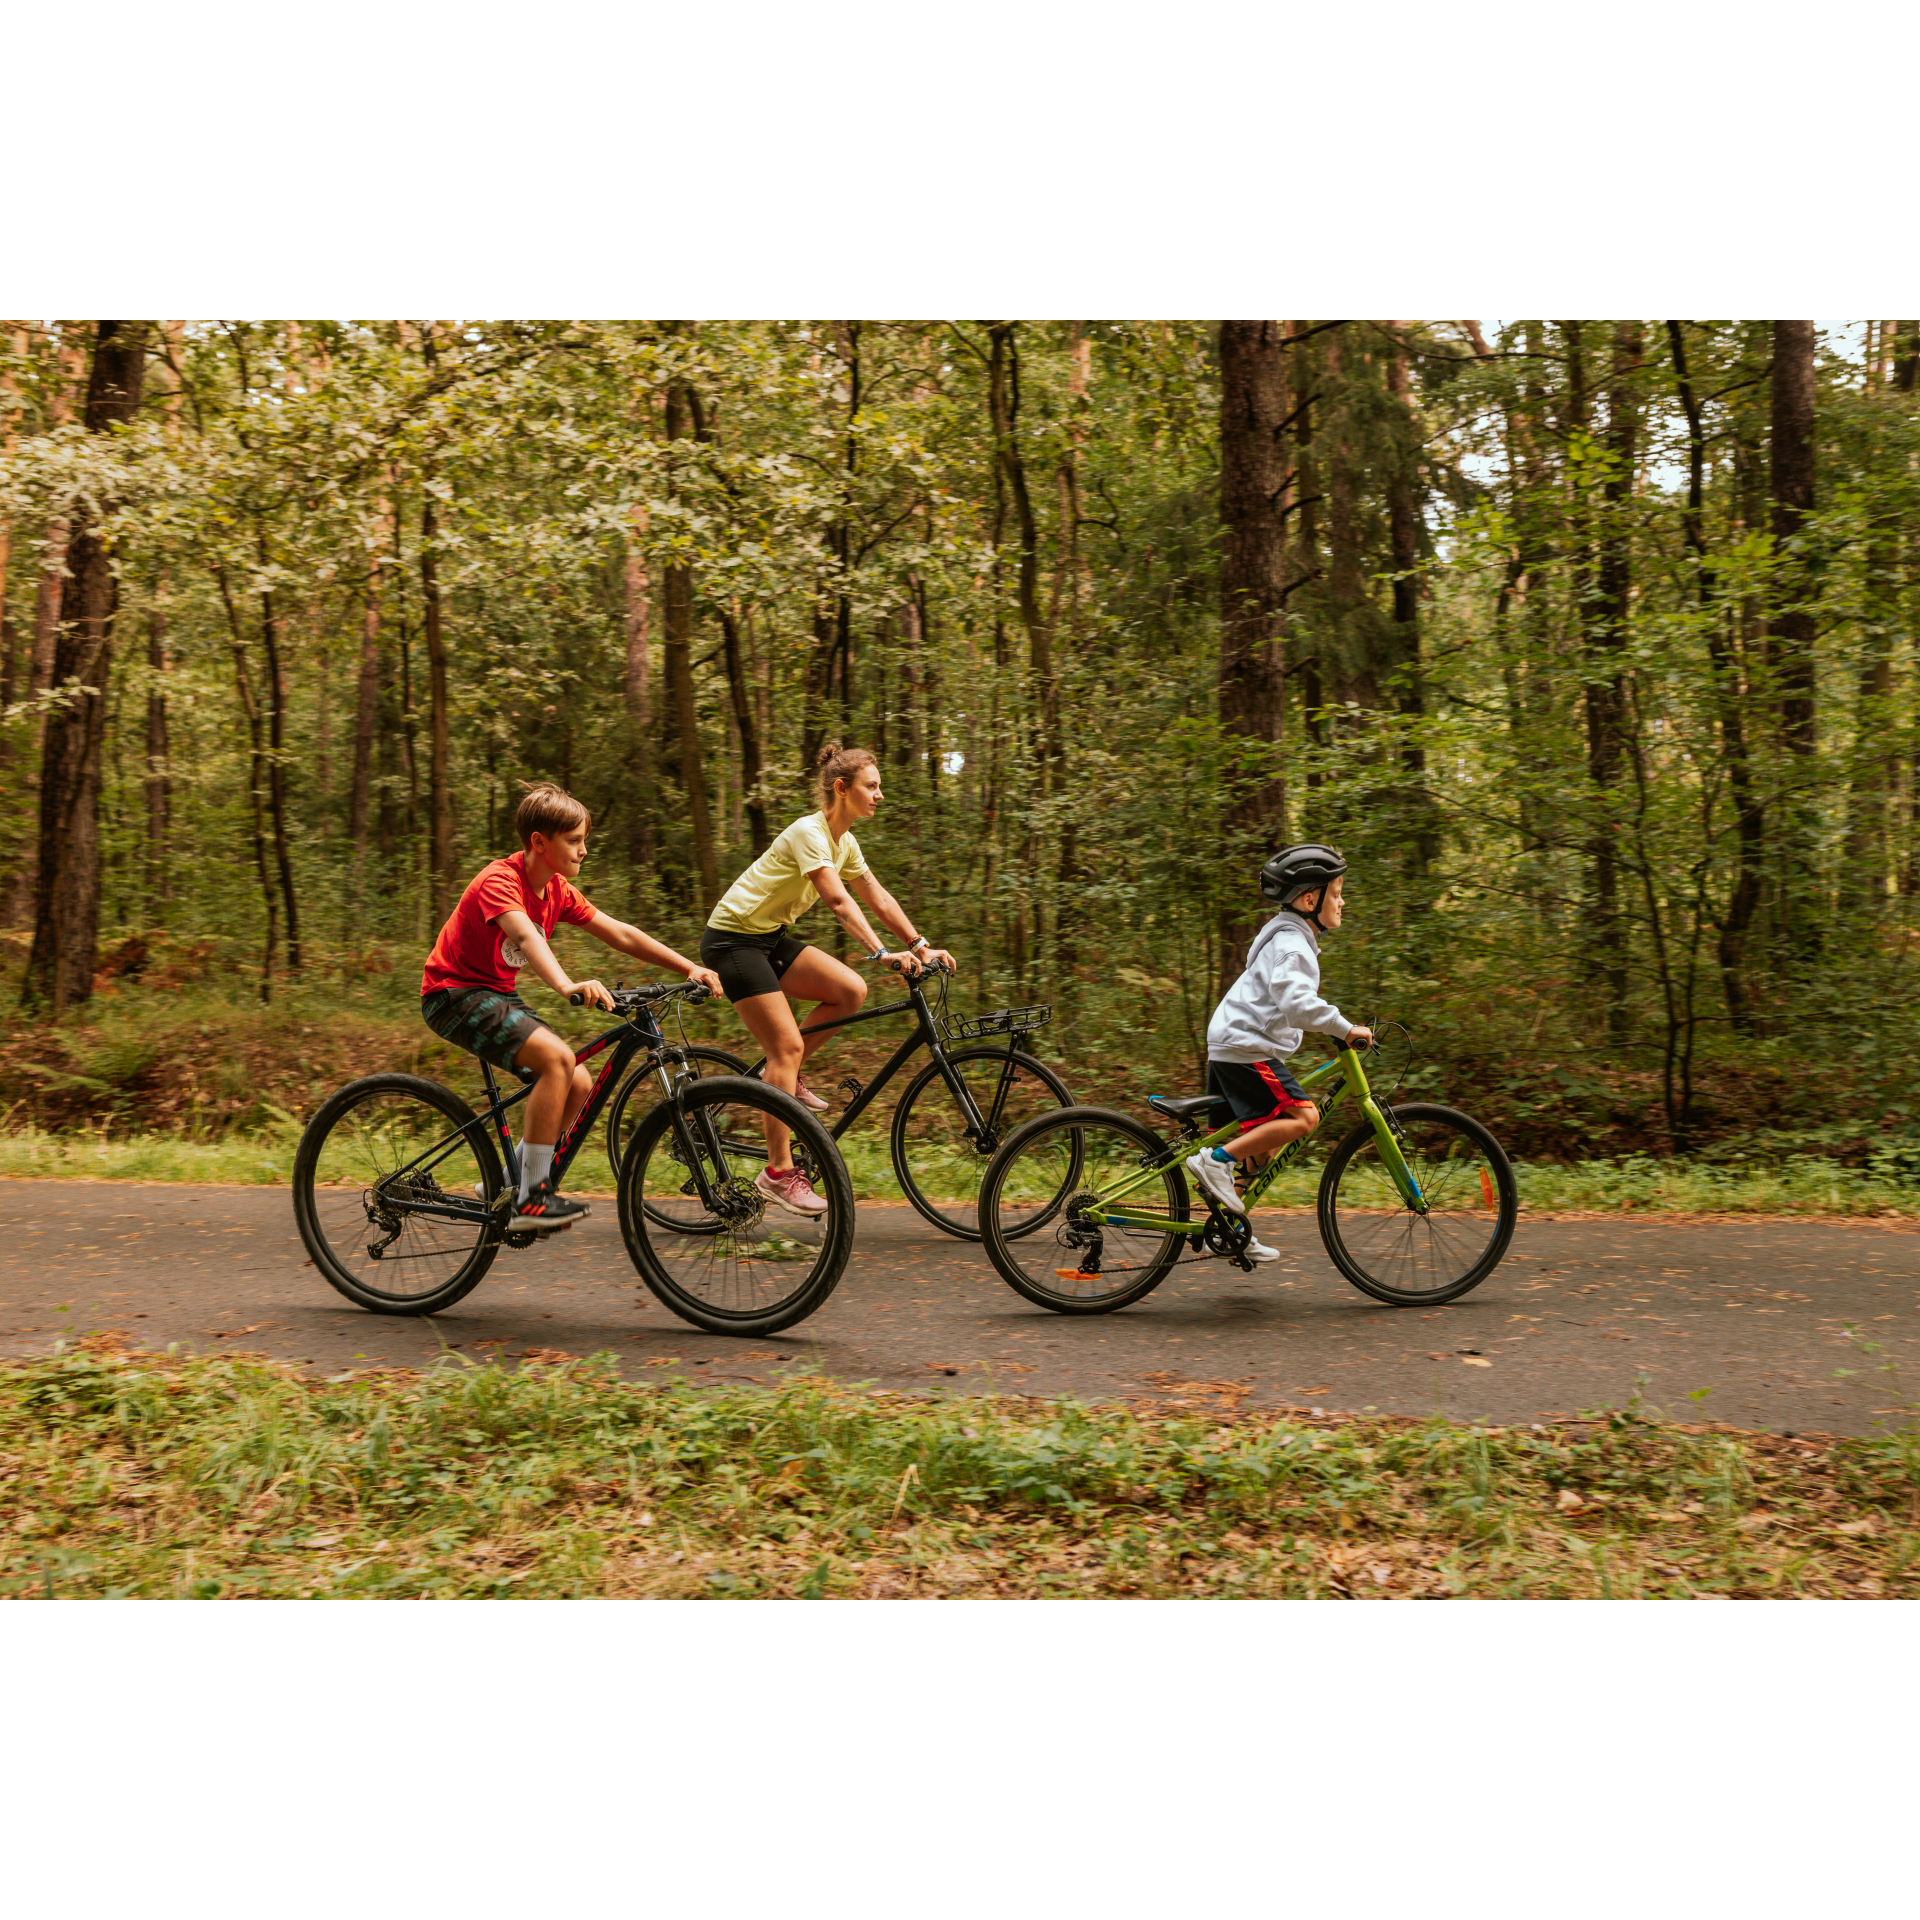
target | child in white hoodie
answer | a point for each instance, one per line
(1267, 1012)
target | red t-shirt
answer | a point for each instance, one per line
(473, 952)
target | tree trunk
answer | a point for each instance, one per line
(678, 607)
(1749, 823)
(1791, 632)
(1606, 686)
(365, 715)
(1403, 539)
(9, 685)
(1255, 481)
(1906, 353)
(443, 879)
(638, 696)
(257, 779)
(740, 685)
(67, 880)
(277, 757)
(158, 782)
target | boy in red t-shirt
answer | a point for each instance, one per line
(469, 990)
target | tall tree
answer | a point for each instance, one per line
(1749, 845)
(678, 607)
(444, 878)
(1792, 630)
(66, 916)
(637, 687)
(1608, 745)
(1255, 483)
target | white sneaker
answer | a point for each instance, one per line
(1215, 1177)
(1259, 1254)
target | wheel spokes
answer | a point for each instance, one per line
(717, 1237)
(945, 1163)
(394, 1195)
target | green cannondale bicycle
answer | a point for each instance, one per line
(1086, 1209)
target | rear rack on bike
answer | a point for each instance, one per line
(1007, 1020)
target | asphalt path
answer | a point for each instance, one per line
(1733, 1319)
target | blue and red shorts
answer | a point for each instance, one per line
(1256, 1093)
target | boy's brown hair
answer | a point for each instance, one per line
(547, 809)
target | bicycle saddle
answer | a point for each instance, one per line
(1191, 1106)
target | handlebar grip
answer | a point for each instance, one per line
(576, 999)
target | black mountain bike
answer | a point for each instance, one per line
(401, 1199)
(958, 1108)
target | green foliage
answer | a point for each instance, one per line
(1056, 782)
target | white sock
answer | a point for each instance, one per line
(535, 1164)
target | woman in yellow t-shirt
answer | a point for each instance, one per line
(764, 970)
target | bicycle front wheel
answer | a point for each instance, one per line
(1041, 1210)
(709, 1244)
(1409, 1259)
(623, 1116)
(939, 1164)
(393, 1189)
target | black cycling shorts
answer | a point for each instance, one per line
(750, 964)
(492, 1026)
(1259, 1092)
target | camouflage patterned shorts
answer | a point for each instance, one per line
(493, 1026)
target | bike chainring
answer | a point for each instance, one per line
(1227, 1234)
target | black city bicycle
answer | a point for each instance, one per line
(957, 1109)
(403, 1204)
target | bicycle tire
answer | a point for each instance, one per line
(712, 1059)
(1024, 1263)
(332, 1149)
(1380, 1244)
(738, 1290)
(948, 1147)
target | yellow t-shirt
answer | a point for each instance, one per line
(775, 891)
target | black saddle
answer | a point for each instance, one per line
(1193, 1106)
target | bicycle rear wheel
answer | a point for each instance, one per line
(939, 1166)
(702, 1063)
(384, 1194)
(1042, 1189)
(708, 1244)
(1408, 1259)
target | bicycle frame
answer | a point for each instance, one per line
(926, 1034)
(639, 1030)
(1342, 1071)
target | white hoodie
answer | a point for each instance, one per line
(1276, 1001)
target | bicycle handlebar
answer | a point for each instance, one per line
(628, 999)
(922, 967)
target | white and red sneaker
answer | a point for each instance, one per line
(791, 1189)
(808, 1098)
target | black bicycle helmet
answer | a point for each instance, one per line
(1295, 869)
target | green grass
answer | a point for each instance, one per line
(1807, 1184)
(169, 1476)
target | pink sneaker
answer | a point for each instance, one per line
(808, 1098)
(791, 1189)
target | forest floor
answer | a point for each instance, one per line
(127, 1474)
